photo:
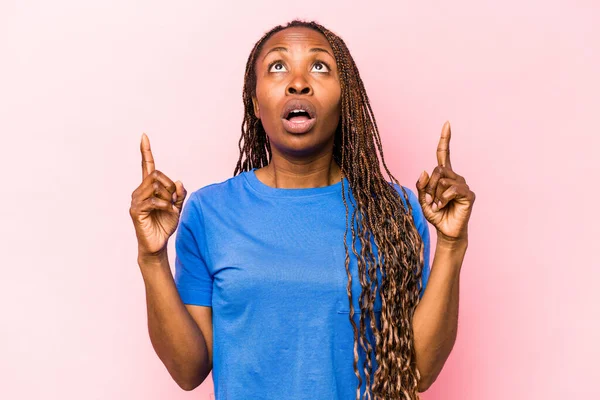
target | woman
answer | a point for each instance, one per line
(260, 257)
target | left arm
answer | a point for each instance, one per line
(447, 202)
(435, 320)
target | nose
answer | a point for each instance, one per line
(299, 85)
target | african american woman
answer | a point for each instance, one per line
(306, 275)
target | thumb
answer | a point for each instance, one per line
(179, 195)
(421, 184)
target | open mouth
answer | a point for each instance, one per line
(298, 116)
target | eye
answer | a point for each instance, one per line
(276, 66)
(320, 66)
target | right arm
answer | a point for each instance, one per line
(181, 336)
(177, 333)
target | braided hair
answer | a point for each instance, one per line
(381, 216)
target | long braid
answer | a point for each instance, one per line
(380, 217)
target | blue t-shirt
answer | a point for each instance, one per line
(270, 263)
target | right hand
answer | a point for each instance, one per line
(155, 207)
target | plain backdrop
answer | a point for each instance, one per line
(81, 80)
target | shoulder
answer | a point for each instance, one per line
(412, 197)
(417, 211)
(218, 191)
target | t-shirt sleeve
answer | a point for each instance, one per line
(423, 229)
(193, 279)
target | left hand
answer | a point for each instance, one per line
(445, 197)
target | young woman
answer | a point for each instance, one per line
(305, 275)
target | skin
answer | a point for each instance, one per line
(447, 202)
(299, 160)
(155, 205)
(307, 161)
(302, 161)
(181, 334)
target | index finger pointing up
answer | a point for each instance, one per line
(147, 159)
(443, 150)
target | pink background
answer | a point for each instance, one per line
(81, 80)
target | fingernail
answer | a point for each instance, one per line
(428, 198)
(421, 177)
(434, 207)
(174, 197)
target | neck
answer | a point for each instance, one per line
(287, 174)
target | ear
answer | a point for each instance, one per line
(256, 108)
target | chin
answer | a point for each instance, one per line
(299, 144)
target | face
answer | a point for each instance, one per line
(296, 70)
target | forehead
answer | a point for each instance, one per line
(297, 37)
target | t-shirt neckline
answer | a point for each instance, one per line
(262, 188)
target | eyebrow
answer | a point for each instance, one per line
(284, 49)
